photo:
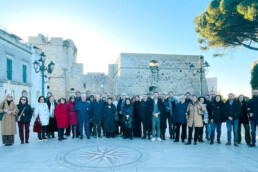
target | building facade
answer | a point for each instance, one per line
(17, 76)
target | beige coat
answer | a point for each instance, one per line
(8, 123)
(195, 115)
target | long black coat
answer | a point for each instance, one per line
(137, 128)
(146, 114)
(52, 126)
(163, 114)
(27, 112)
(243, 119)
(109, 123)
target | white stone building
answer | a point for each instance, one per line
(17, 76)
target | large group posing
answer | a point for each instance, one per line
(145, 117)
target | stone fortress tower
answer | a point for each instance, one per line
(142, 73)
(131, 73)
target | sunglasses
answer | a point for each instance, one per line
(9, 97)
(23, 99)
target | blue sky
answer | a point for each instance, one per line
(101, 29)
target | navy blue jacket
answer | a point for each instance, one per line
(180, 110)
(82, 109)
(97, 110)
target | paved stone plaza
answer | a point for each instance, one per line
(125, 155)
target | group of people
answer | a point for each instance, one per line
(145, 117)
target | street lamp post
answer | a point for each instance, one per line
(39, 66)
(203, 66)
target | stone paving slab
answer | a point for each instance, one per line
(74, 155)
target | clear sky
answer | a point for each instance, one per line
(101, 29)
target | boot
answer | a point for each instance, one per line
(218, 141)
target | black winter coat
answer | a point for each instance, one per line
(109, 123)
(27, 112)
(253, 107)
(217, 112)
(243, 119)
(146, 114)
(233, 110)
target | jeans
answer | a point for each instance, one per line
(60, 133)
(97, 126)
(86, 128)
(208, 130)
(21, 131)
(247, 133)
(156, 124)
(254, 123)
(215, 125)
(183, 133)
(196, 134)
(234, 124)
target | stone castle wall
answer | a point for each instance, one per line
(135, 75)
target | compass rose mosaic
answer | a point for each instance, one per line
(97, 158)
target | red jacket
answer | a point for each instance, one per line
(71, 113)
(61, 116)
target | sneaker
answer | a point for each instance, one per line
(195, 143)
(26, 141)
(40, 139)
(22, 142)
(159, 139)
(153, 139)
(218, 141)
(228, 143)
(81, 137)
(64, 138)
(144, 137)
(176, 140)
(188, 143)
(88, 137)
(236, 144)
(212, 142)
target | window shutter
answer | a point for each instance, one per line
(9, 69)
(24, 76)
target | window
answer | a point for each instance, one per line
(154, 63)
(24, 73)
(153, 89)
(24, 93)
(9, 69)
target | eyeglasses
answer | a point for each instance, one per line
(23, 99)
(9, 97)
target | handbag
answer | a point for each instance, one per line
(18, 118)
(37, 125)
(2, 114)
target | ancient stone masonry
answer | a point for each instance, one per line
(131, 73)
